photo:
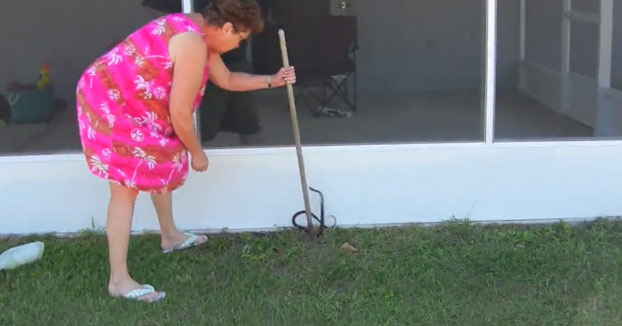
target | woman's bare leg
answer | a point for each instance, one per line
(171, 237)
(120, 213)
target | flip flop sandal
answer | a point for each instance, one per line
(193, 240)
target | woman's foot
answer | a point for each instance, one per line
(179, 241)
(130, 289)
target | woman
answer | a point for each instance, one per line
(135, 106)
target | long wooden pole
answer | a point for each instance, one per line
(294, 116)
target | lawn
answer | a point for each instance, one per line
(451, 274)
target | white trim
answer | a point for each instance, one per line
(366, 148)
(186, 6)
(605, 48)
(490, 71)
(565, 59)
(522, 46)
(523, 29)
(565, 50)
(588, 142)
(582, 17)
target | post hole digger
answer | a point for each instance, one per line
(301, 166)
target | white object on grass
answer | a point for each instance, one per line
(21, 255)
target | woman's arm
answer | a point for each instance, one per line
(189, 53)
(239, 81)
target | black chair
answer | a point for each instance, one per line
(321, 47)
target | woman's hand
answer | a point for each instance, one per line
(200, 162)
(283, 77)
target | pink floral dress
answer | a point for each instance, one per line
(123, 110)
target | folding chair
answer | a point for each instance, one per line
(321, 47)
(329, 66)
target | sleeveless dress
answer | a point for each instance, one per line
(122, 102)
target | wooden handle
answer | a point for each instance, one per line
(294, 116)
(283, 48)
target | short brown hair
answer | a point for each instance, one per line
(245, 15)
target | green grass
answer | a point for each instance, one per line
(452, 274)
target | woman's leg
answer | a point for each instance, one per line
(120, 212)
(171, 237)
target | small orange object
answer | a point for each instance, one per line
(44, 76)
